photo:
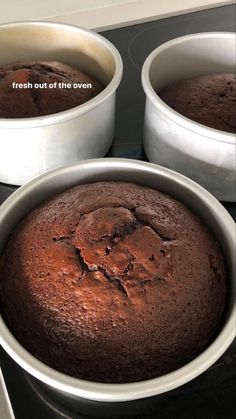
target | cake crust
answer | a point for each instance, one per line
(113, 282)
(209, 99)
(31, 102)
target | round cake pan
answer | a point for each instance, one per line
(204, 154)
(31, 146)
(183, 189)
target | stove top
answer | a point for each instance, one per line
(212, 394)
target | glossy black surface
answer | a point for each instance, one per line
(212, 395)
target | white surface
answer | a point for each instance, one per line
(101, 14)
(34, 9)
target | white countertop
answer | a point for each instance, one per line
(101, 14)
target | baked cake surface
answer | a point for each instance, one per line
(113, 282)
(19, 102)
(209, 99)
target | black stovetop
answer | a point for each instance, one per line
(211, 395)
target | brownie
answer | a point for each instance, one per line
(209, 99)
(47, 88)
(113, 282)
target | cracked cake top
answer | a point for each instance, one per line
(37, 88)
(113, 282)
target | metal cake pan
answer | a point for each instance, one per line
(185, 190)
(31, 146)
(204, 154)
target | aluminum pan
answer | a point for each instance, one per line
(187, 191)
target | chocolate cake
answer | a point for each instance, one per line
(37, 88)
(113, 282)
(209, 99)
